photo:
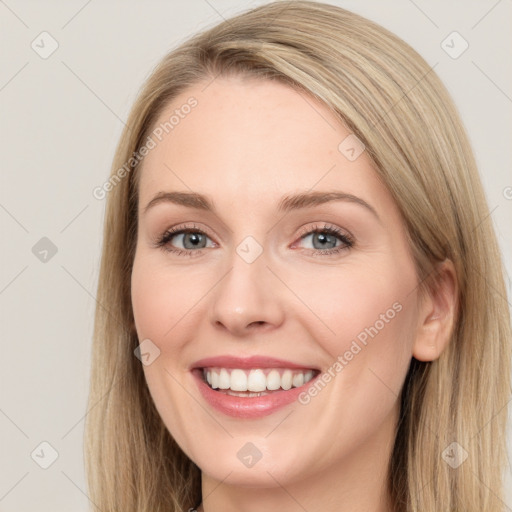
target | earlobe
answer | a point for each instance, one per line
(437, 314)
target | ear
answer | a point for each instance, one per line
(437, 313)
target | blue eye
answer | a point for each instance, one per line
(192, 239)
(326, 240)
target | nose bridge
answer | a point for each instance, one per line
(247, 295)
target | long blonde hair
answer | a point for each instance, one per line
(392, 100)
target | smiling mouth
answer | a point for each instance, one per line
(257, 381)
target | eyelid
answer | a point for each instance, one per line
(180, 228)
(326, 226)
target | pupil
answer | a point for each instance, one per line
(325, 239)
(194, 238)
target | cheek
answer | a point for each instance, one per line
(369, 318)
(372, 319)
(162, 297)
(148, 300)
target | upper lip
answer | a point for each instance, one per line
(228, 361)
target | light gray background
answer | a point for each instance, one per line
(61, 118)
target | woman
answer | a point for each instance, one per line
(301, 294)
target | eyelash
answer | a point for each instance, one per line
(346, 239)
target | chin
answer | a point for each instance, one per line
(260, 475)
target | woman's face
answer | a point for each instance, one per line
(274, 282)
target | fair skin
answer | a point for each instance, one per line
(245, 146)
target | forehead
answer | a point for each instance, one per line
(249, 139)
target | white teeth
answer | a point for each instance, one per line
(215, 380)
(256, 381)
(238, 380)
(298, 380)
(253, 382)
(224, 380)
(286, 379)
(273, 380)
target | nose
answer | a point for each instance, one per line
(248, 299)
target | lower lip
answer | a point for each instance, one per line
(247, 407)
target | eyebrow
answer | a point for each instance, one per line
(287, 203)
